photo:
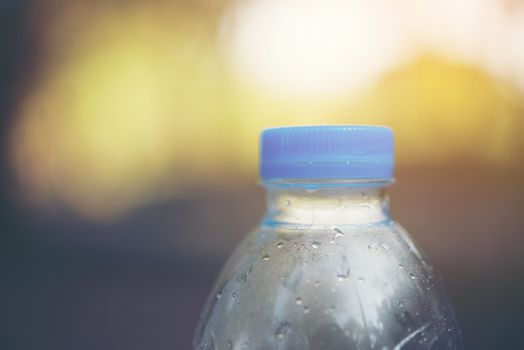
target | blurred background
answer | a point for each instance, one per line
(129, 133)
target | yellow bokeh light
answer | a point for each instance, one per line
(121, 112)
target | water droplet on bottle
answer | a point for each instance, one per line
(265, 258)
(306, 309)
(280, 244)
(412, 275)
(298, 301)
(373, 340)
(219, 295)
(400, 266)
(317, 283)
(315, 244)
(288, 203)
(283, 329)
(234, 295)
(244, 276)
(373, 246)
(229, 344)
(361, 280)
(343, 275)
(344, 269)
(386, 247)
(245, 345)
(338, 233)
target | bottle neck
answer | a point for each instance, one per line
(327, 203)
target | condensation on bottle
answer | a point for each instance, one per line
(327, 267)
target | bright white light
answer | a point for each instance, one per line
(453, 28)
(486, 33)
(322, 48)
(313, 47)
(504, 54)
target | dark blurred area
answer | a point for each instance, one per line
(129, 150)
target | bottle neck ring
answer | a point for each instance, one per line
(322, 203)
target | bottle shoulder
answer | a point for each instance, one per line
(299, 280)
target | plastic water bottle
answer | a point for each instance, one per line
(327, 268)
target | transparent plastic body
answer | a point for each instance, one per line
(327, 268)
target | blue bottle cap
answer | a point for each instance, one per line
(353, 152)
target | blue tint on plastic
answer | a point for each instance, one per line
(353, 152)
